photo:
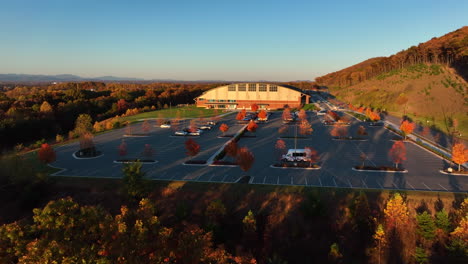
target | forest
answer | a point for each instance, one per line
(450, 49)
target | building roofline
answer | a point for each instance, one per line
(282, 85)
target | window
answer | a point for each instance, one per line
(262, 87)
(273, 88)
(211, 100)
(221, 101)
(232, 88)
(221, 106)
(231, 101)
(201, 99)
(252, 87)
(242, 87)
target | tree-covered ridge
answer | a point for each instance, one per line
(450, 49)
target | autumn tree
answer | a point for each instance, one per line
(380, 239)
(249, 221)
(305, 128)
(407, 127)
(283, 129)
(87, 144)
(148, 151)
(280, 146)
(45, 108)
(83, 124)
(313, 156)
(241, 115)
(252, 126)
(262, 115)
(122, 105)
(192, 147)
(145, 126)
(362, 131)
(339, 131)
(397, 153)
(122, 148)
(396, 212)
(373, 116)
(302, 115)
(129, 129)
(245, 158)
(223, 128)
(231, 149)
(46, 153)
(286, 114)
(254, 107)
(459, 154)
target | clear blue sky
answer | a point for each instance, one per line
(220, 39)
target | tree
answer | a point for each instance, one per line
(83, 124)
(313, 156)
(302, 115)
(338, 131)
(396, 212)
(373, 116)
(252, 126)
(146, 127)
(46, 108)
(426, 226)
(46, 153)
(122, 105)
(334, 254)
(459, 154)
(148, 151)
(305, 128)
(380, 239)
(129, 129)
(192, 147)
(254, 107)
(87, 144)
(287, 114)
(245, 158)
(133, 180)
(442, 221)
(241, 115)
(122, 148)
(459, 236)
(215, 211)
(362, 131)
(397, 153)
(249, 221)
(262, 114)
(280, 146)
(223, 128)
(407, 127)
(283, 129)
(231, 149)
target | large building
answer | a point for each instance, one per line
(243, 95)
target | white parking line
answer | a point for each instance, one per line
(212, 175)
(292, 181)
(363, 182)
(277, 182)
(443, 187)
(349, 183)
(380, 185)
(306, 180)
(427, 186)
(320, 181)
(336, 185)
(264, 179)
(394, 185)
(410, 185)
(224, 178)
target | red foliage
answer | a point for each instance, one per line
(46, 153)
(254, 107)
(245, 158)
(407, 127)
(146, 126)
(373, 116)
(122, 105)
(123, 148)
(302, 115)
(305, 128)
(280, 144)
(283, 129)
(241, 115)
(314, 156)
(86, 141)
(426, 131)
(231, 149)
(334, 115)
(148, 151)
(362, 131)
(223, 128)
(398, 152)
(262, 114)
(252, 127)
(192, 147)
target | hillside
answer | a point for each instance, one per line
(432, 76)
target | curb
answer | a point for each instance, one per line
(78, 158)
(382, 171)
(294, 168)
(453, 173)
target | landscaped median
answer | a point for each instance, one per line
(387, 169)
(215, 159)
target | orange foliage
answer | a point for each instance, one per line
(339, 131)
(231, 149)
(223, 128)
(396, 212)
(245, 158)
(252, 126)
(302, 114)
(122, 148)
(305, 128)
(192, 147)
(262, 114)
(86, 141)
(459, 154)
(407, 127)
(280, 144)
(241, 115)
(146, 126)
(254, 107)
(46, 153)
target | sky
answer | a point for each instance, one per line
(213, 40)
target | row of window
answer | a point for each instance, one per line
(217, 101)
(252, 87)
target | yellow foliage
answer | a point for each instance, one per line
(396, 211)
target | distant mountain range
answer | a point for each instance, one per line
(59, 78)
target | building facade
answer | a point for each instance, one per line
(244, 95)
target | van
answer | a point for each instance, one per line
(297, 155)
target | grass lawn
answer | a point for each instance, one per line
(182, 112)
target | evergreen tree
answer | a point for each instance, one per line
(442, 221)
(133, 179)
(426, 225)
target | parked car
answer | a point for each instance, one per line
(211, 123)
(181, 133)
(205, 127)
(297, 155)
(322, 112)
(165, 126)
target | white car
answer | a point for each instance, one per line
(165, 126)
(297, 155)
(205, 127)
(180, 133)
(322, 112)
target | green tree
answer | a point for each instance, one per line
(426, 226)
(83, 124)
(420, 255)
(134, 183)
(249, 221)
(442, 221)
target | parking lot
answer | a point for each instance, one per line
(336, 159)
